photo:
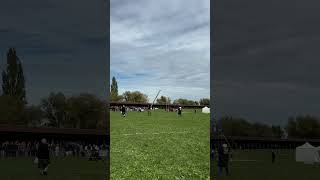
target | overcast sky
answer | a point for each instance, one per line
(161, 44)
(267, 59)
(62, 44)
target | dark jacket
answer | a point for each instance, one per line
(123, 109)
(43, 151)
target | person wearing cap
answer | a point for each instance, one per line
(43, 157)
(179, 111)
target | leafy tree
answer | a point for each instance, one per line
(11, 111)
(33, 116)
(204, 102)
(232, 126)
(114, 90)
(164, 100)
(304, 127)
(13, 80)
(277, 131)
(135, 97)
(55, 109)
(86, 112)
(183, 102)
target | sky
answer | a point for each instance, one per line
(62, 45)
(161, 45)
(266, 62)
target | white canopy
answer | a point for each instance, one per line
(206, 110)
(307, 154)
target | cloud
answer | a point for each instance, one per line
(161, 45)
(62, 44)
(266, 59)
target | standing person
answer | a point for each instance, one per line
(43, 157)
(123, 111)
(220, 159)
(273, 156)
(179, 111)
(1, 150)
(223, 158)
(56, 150)
(149, 110)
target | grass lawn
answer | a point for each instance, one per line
(261, 168)
(160, 146)
(59, 169)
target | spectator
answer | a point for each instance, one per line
(43, 157)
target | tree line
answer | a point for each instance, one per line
(139, 97)
(57, 110)
(302, 126)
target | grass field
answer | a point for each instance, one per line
(59, 169)
(161, 146)
(256, 165)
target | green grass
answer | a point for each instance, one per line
(59, 169)
(161, 146)
(285, 167)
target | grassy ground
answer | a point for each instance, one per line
(285, 167)
(161, 146)
(59, 169)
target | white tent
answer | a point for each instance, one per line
(206, 110)
(318, 154)
(307, 154)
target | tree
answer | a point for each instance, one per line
(277, 131)
(164, 100)
(33, 116)
(135, 97)
(184, 102)
(305, 126)
(11, 111)
(13, 81)
(204, 102)
(233, 126)
(55, 109)
(291, 127)
(86, 112)
(114, 90)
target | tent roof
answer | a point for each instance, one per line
(306, 145)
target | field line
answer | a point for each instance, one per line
(244, 160)
(155, 133)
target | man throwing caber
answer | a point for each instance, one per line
(123, 111)
(43, 157)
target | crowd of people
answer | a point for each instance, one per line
(23, 148)
(128, 108)
(141, 109)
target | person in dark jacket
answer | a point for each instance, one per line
(273, 156)
(43, 157)
(223, 159)
(123, 111)
(179, 111)
(149, 110)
